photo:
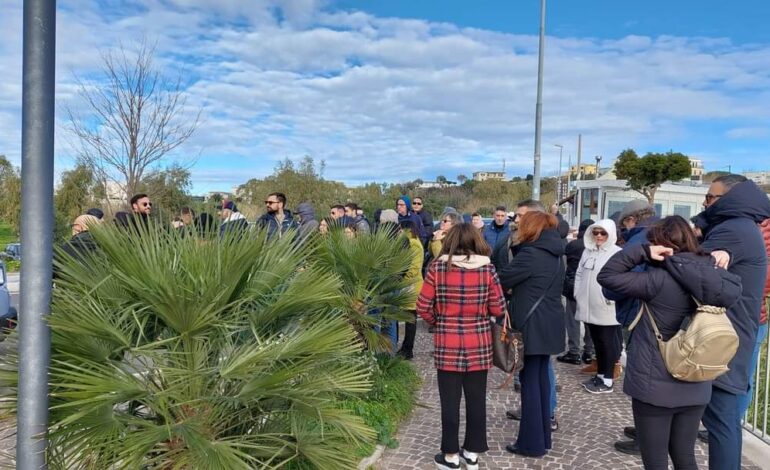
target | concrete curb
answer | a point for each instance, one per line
(372, 459)
(756, 450)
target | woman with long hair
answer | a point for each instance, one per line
(460, 292)
(446, 222)
(666, 410)
(535, 276)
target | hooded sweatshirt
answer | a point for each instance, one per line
(592, 306)
(308, 223)
(410, 215)
(730, 224)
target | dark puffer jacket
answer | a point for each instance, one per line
(573, 253)
(534, 267)
(730, 224)
(667, 288)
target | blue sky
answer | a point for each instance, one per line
(393, 90)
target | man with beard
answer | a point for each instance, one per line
(278, 220)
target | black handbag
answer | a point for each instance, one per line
(508, 343)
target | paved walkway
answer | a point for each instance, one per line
(589, 424)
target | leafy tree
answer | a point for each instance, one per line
(168, 188)
(646, 174)
(10, 194)
(441, 179)
(462, 179)
(712, 175)
(76, 192)
(135, 117)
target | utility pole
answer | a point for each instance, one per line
(37, 141)
(580, 150)
(539, 105)
(558, 188)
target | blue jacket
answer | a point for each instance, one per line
(268, 220)
(626, 308)
(730, 224)
(494, 234)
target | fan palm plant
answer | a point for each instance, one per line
(371, 268)
(176, 352)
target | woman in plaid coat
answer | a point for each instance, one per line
(460, 292)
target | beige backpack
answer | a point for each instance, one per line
(700, 352)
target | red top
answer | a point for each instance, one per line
(458, 303)
(765, 227)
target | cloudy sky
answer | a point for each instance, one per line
(393, 90)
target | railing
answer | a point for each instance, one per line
(756, 419)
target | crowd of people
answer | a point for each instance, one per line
(615, 288)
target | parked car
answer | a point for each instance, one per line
(8, 313)
(12, 251)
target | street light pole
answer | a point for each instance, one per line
(37, 143)
(558, 188)
(539, 105)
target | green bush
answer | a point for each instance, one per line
(391, 400)
(12, 266)
(179, 352)
(370, 268)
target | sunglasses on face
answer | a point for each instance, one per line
(271, 202)
(599, 233)
(146, 204)
(446, 221)
(710, 197)
(416, 203)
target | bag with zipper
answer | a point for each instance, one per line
(702, 350)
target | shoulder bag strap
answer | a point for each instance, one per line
(537, 303)
(652, 322)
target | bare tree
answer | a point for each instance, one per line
(134, 118)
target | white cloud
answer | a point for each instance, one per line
(393, 99)
(748, 133)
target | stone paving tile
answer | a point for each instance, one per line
(588, 424)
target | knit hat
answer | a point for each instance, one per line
(632, 207)
(96, 212)
(389, 215)
(407, 201)
(230, 205)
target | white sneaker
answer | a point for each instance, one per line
(470, 464)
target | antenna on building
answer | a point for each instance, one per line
(503, 165)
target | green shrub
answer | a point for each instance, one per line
(391, 400)
(179, 352)
(371, 269)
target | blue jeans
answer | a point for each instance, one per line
(745, 399)
(552, 379)
(722, 419)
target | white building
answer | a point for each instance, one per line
(696, 169)
(599, 199)
(488, 175)
(759, 177)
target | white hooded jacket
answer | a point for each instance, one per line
(592, 306)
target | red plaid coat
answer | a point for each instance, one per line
(458, 303)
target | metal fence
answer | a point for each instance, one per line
(756, 418)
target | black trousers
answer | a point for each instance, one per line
(410, 331)
(663, 432)
(451, 387)
(535, 428)
(608, 346)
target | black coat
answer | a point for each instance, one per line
(573, 252)
(668, 289)
(535, 266)
(730, 224)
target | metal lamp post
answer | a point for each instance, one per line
(558, 188)
(539, 105)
